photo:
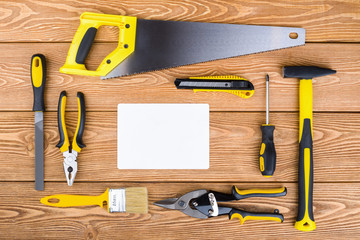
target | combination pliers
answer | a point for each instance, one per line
(70, 151)
(204, 204)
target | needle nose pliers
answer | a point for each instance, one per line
(204, 204)
(70, 151)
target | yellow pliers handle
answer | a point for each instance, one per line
(64, 142)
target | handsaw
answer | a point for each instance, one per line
(149, 45)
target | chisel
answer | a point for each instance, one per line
(38, 79)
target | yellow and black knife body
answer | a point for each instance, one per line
(230, 84)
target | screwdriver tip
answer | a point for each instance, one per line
(267, 77)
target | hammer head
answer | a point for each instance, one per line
(306, 72)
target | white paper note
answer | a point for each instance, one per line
(163, 136)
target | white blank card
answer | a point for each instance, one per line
(163, 136)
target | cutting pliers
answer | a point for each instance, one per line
(70, 152)
(204, 204)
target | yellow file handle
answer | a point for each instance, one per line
(85, 35)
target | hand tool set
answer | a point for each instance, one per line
(149, 45)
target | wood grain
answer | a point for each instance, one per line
(54, 21)
(234, 147)
(332, 41)
(338, 92)
(336, 214)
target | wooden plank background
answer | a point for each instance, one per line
(332, 40)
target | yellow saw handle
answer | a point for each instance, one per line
(84, 38)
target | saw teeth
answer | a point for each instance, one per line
(160, 69)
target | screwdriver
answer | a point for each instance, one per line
(267, 149)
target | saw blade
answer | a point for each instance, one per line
(166, 44)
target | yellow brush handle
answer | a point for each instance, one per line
(65, 200)
(85, 35)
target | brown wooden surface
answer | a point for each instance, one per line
(332, 40)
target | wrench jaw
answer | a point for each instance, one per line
(70, 166)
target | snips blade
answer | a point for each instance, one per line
(165, 44)
(183, 204)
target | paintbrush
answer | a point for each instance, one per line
(130, 200)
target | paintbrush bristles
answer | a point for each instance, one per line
(136, 200)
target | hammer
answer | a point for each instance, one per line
(305, 219)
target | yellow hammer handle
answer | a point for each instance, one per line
(305, 219)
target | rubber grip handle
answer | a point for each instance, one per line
(84, 38)
(38, 80)
(267, 155)
(65, 200)
(64, 139)
(305, 219)
(85, 45)
(243, 216)
(242, 194)
(77, 143)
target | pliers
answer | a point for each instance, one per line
(204, 204)
(70, 152)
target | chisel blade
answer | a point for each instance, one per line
(165, 44)
(39, 151)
